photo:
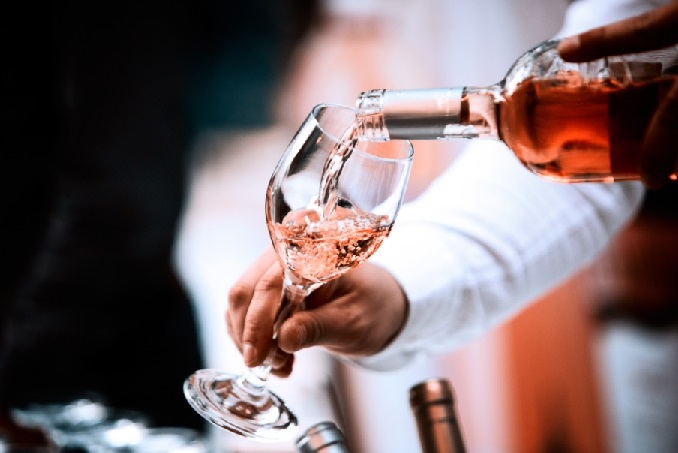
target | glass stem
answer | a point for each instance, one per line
(291, 300)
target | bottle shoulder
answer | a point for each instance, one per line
(541, 61)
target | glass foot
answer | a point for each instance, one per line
(228, 402)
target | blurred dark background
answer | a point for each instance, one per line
(101, 104)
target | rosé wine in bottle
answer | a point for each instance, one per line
(568, 130)
(564, 121)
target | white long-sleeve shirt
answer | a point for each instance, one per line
(488, 237)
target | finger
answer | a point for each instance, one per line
(359, 316)
(257, 330)
(280, 359)
(294, 333)
(653, 30)
(307, 327)
(231, 331)
(285, 369)
(660, 149)
(241, 293)
(338, 329)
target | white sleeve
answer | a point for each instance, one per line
(487, 238)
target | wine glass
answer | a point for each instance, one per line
(330, 203)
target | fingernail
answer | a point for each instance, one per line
(568, 44)
(249, 354)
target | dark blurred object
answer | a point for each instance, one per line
(83, 424)
(94, 140)
(639, 277)
(89, 426)
(432, 403)
(96, 132)
(661, 203)
(247, 49)
(23, 438)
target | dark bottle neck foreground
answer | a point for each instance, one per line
(432, 404)
(323, 437)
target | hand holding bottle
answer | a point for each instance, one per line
(653, 30)
(367, 309)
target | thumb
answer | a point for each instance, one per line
(303, 330)
(653, 30)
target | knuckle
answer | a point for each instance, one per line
(239, 295)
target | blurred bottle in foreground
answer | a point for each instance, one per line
(566, 122)
(323, 437)
(432, 403)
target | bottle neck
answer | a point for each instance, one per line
(323, 437)
(432, 404)
(427, 114)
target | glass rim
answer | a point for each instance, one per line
(409, 148)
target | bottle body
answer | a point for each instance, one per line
(587, 132)
(323, 437)
(432, 404)
(565, 122)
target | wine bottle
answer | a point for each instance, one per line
(432, 404)
(564, 121)
(323, 437)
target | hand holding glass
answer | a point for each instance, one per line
(330, 203)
